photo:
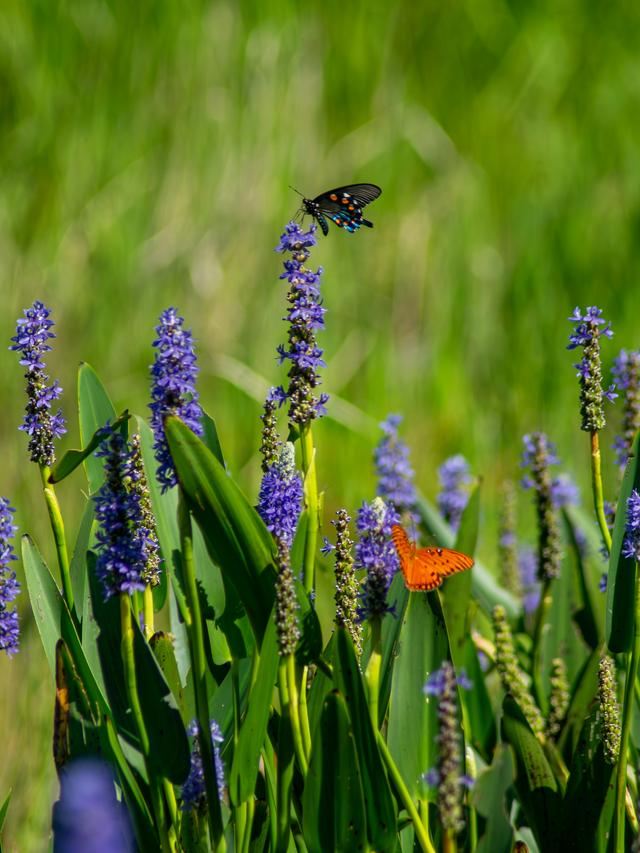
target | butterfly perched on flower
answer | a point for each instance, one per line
(342, 206)
(425, 568)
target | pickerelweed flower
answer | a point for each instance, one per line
(558, 697)
(124, 541)
(346, 595)
(173, 389)
(564, 492)
(538, 455)
(280, 499)
(140, 486)
(529, 583)
(286, 610)
(588, 329)
(609, 709)
(393, 469)
(512, 677)
(9, 586)
(376, 554)
(455, 480)
(448, 775)
(631, 542)
(305, 318)
(626, 372)
(193, 790)
(88, 818)
(32, 333)
(270, 440)
(508, 541)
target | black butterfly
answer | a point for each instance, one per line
(342, 205)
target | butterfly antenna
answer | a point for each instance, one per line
(296, 191)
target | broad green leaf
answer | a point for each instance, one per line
(45, 598)
(72, 459)
(310, 643)
(210, 437)
(398, 598)
(242, 778)
(488, 797)
(379, 801)
(621, 583)
(482, 723)
(235, 534)
(485, 588)
(589, 614)
(413, 722)
(94, 410)
(320, 686)
(162, 647)
(332, 802)
(536, 785)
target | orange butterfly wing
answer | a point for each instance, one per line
(424, 569)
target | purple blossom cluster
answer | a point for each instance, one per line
(529, 584)
(9, 586)
(280, 499)
(126, 546)
(193, 790)
(173, 390)
(631, 542)
(588, 329)
(305, 318)
(376, 554)
(393, 469)
(32, 333)
(626, 372)
(455, 479)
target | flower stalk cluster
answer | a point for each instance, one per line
(393, 468)
(626, 372)
(32, 333)
(139, 486)
(559, 697)
(346, 594)
(609, 709)
(9, 586)
(538, 455)
(280, 499)
(375, 554)
(286, 610)
(270, 440)
(588, 329)
(194, 788)
(455, 481)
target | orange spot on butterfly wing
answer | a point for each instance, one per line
(444, 561)
(333, 197)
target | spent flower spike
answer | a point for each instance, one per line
(455, 479)
(173, 389)
(539, 454)
(393, 469)
(305, 318)
(280, 499)
(376, 554)
(9, 586)
(588, 329)
(194, 789)
(32, 333)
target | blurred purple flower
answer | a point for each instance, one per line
(528, 567)
(626, 372)
(455, 480)
(194, 788)
(9, 586)
(393, 469)
(631, 543)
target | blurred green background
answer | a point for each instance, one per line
(146, 154)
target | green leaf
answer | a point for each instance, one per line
(72, 459)
(78, 567)
(619, 619)
(309, 645)
(244, 768)
(582, 697)
(485, 588)
(413, 722)
(235, 534)
(4, 808)
(536, 785)
(379, 801)
(589, 613)
(210, 437)
(482, 734)
(488, 797)
(332, 802)
(162, 647)
(45, 598)
(94, 410)
(398, 598)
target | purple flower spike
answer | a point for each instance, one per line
(394, 471)
(32, 333)
(455, 480)
(193, 790)
(631, 543)
(588, 329)
(281, 494)
(626, 372)
(376, 554)
(173, 391)
(9, 586)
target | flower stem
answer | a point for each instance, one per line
(148, 612)
(449, 844)
(304, 714)
(57, 526)
(627, 715)
(420, 830)
(198, 668)
(284, 762)
(598, 496)
(294, 713)
(372, 674)
(312, 505)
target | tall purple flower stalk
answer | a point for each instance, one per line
(280, 500)
(588, 329)
(9, 586)
(626, 372)
(455, 479)
(376, 554)
(393, 469)
(194, 789)
(631, 543)
(125, 544)
(173, 390)
(32, 333)
(305, 318)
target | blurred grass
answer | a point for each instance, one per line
(146, 155)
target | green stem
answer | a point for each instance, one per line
(449, 843)
(598, 495)
(401, 789)
(304, 714)
(311, 503)
(284, 762)
(536, 665)
(240, 811)
(372, 674)
(148, 612)
(57, 527)
(294, 713)
(198, 669)
(627, 715)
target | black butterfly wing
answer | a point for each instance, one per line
(344, 205)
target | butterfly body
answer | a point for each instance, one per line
(343, 206)
(426, 568)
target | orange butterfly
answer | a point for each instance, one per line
(424, 568)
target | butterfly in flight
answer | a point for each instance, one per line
(425, 568)
(342, 205)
